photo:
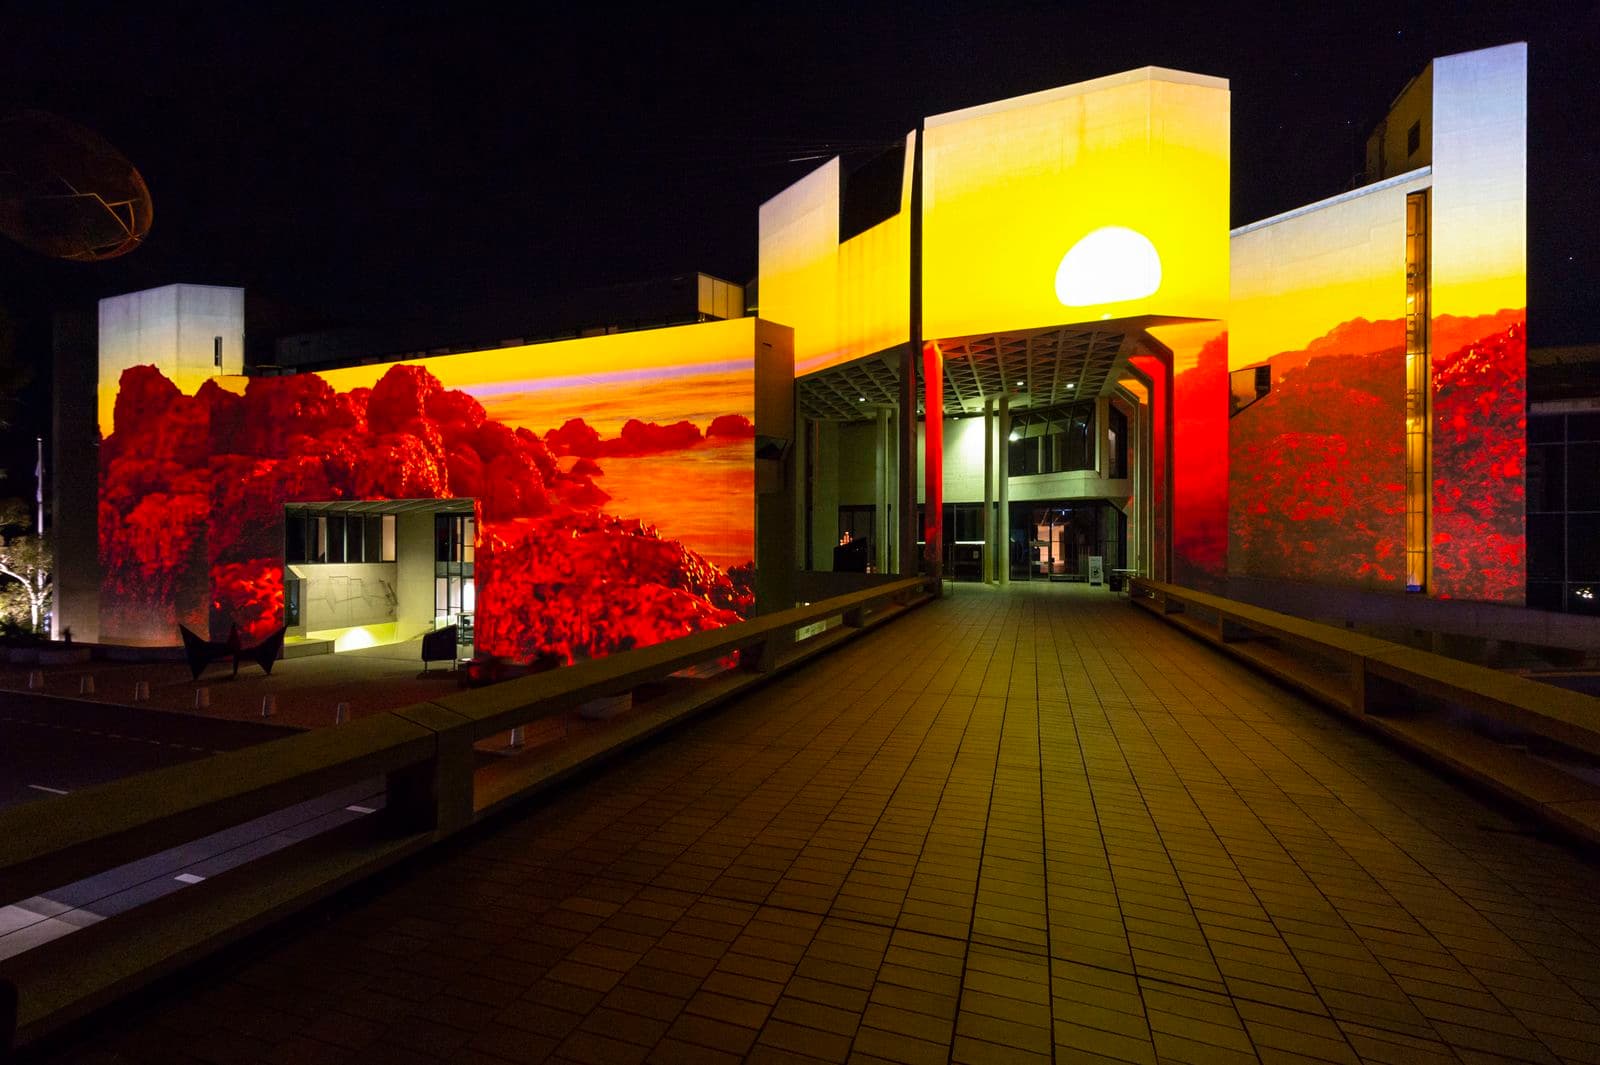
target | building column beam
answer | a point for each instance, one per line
(988, 491)
(1003, 444)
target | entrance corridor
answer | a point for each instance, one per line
(1015, 825)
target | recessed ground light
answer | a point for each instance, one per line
(1019, 384)
(1071, 385)
(861, 399)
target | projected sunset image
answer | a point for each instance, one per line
(615, 508)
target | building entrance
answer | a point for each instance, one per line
(1053, 540)
(368, 573)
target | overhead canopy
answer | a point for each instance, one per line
(1038, 367)
(387, 506)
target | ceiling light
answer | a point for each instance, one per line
(1015, 436)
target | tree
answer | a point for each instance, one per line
(25, 557)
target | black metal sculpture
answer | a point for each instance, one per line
(201, 653)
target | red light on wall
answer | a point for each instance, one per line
(933, 450)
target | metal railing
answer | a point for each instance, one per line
(433, 788)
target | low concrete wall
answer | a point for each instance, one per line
(1386, 614)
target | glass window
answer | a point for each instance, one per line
(1547, 429)
(1024, 454)
(1583, 547)
(372, 541)
(1546, 477)
(1583, 427)
(1583, 487)
(320, 525)
(336, 538)
(1546, 550)
(857, 521)
(1119, 442)
(469, 538)
(469, 596)
(291, 601)
(441, 596)
(441, 538)
(294, 537)
(387, 551)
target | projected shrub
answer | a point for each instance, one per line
(592, 538)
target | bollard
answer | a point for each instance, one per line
(341, 713)
(516, 737)
(202, 698)
(269, 705)
(86, 684)
(141, 690)
(35, 679)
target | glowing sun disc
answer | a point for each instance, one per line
(1110, 265)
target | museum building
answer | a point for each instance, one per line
(1023, 344)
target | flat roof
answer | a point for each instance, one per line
(1110, 81)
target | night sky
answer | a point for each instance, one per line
(405, 165)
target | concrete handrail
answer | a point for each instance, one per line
(425, 754)
(1385, 684)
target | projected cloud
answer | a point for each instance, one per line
(1111, 264)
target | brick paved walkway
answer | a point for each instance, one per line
(1008, 827)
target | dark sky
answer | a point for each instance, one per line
(399, 162)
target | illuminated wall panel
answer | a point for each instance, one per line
(1317, 468)
(798, 265)
(191, 333)
(875, 281)
(1199, 450)
(1104, 199)
(613, 479)
(844, 300)
(1479, 306)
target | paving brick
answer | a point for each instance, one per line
(1013, 824)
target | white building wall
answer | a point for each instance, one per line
(337, 596)
(414, 572)
(174, 329)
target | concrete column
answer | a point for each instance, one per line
(933, 457)
(906, 454)
(1003, 443)
(801, 450)
(881, 494)
(988, 491)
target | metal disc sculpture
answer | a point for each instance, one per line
(201, 652)
(65, 192)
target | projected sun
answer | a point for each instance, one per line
(1112, 264)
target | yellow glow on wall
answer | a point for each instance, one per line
(1011, 188)
(843, 300)
(1296, 278)
(595, 361)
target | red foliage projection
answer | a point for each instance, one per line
(192, 510)
(1317, 468)
(1479, 448)
(1317, 479)
(731, 426)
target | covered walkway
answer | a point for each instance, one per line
(1012, 826)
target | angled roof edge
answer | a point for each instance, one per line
(1081, 88)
